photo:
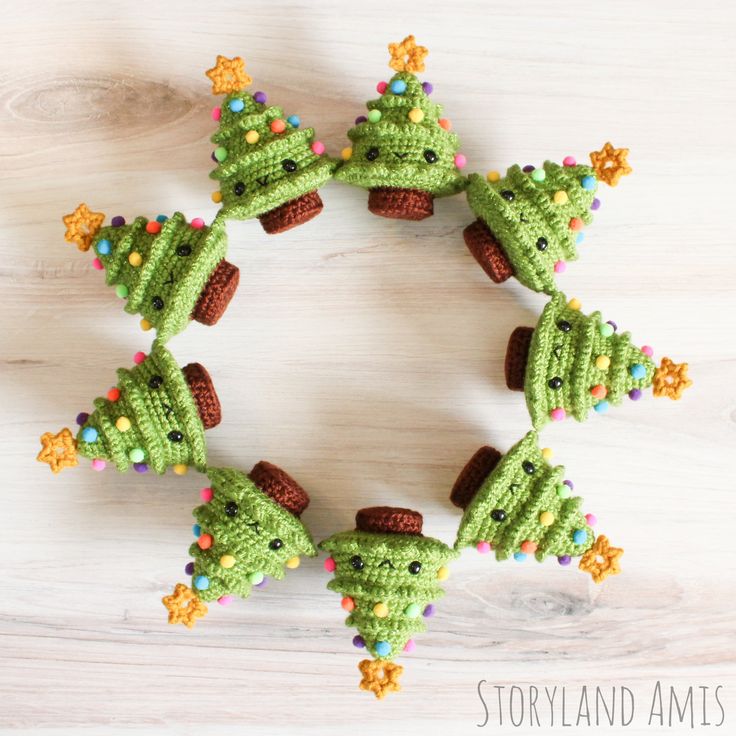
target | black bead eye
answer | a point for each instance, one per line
(184, 250)
(564, 325)
(555, 383)
(498, 514)
(288, 165)
(430, 156)
(357, 562)
(155, 382)
(275, 544)
(175, 435)
(372, 154)
(231, 508)
(239, 188)
(157, 303)
(528, 467)
(541, 243)
(508, 195)
(415, 567)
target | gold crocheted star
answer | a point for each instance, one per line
(228, 75)
(671, 379)
(82, 226)
(380, 677)
(58, 450)
(184, 606)
(407, 56)
(610, 164)
(601, 560)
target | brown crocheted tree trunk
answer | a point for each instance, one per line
(280, 487)
(292, 213)
(388, 520)
(487, 251)
(205, 396)
(401, 204)
(517, 354)
(472, 476)
(217, 293)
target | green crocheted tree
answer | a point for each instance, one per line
(168, 270)
(153, 419)
(389, 575)
(530, 221)
(266, 165)
(403, 151)
(247, 529)
(572, 362)
(518, 504)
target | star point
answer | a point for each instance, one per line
(58, 450)
(671, 379)
(601, 560)
(184, 606)
(82, 225)
(610, 164)
(228, 75)
(380, 677)
(407, 56)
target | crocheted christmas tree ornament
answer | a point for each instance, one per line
(572, 362)
(530, 220)
(518, 504)
(247, 529)
(267, 166)
(403, 151)
(388, 575)
(168, 270)
(153, 419)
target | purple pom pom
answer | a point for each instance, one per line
(117, 221)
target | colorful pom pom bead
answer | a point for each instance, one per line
(252, 136)
(445, 124)
(638, 371)
(293, 562)
(528, 168)
(346, 153)
(601, 407)
(528, 547)
(569, 484)
(412, 610)
(347, 603)
(359, 641)
(361, 119)
(236, 105)
(588, 183)
(122, 424)
(220, 154)
(117, 221)
(136, 455)
(216, 197)
(647, 350)
(579, 536)
(206, 494)
(154, 226)
(410, 646)
(255, 577)
(294, 121)
(189, 568)
(398, 86)
(145, 325)
(557, 414)
(98, 464)
(599, 391)
(135, 259)
(216, 114)
(427, 87)
(493, 176)
(113, 394)
(205, 541)
(201, 582)
(635, 394)
(428, 611)
(563, 491)
(318, 148)
(613, 324)
(262, 584)
(575, 223)
(97, 264)
(443, 573)
(380, 610)
(140, 467)
(227, 561)
(606, 330)
(104, 247)
(89, 434)
(260, 98)
(483, 547)
(546, 518)
(560, 197)
(381, 87)
(374, 116)
(595, 204)
(196, 530)
(416, 115)
(330, 564)
(460, 161)
(180, 469)
(121, 290)
(560, 266)
(539, 175)
(569, 161)
(519, 556)
(278, 125)
(579, 237)
(383, 648)
(564, 560)
(602, 362)
(225, 600)
(591, 519)
(547, 453)
(82, 417)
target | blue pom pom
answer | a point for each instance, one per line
(398, 86)
(601, 407)
(197, 530)
(89, 434)
(294, 121)
(579, 536)
(588, 183)
(579, 238)
(161, 218)
(201, 582)
(104, 247)
(520, 556)
(638, 371)
(236, 105)
(383, 648)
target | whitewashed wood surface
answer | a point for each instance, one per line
(365, 356)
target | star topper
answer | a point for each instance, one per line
(82, 225)
(610, 164)
(58, 450)
(228, 75)
(671, 379)
(407, 56)
(601, 560)
(380, 677)
(184, 606)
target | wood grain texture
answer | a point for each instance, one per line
(365, 356)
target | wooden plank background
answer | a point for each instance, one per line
(365, 356)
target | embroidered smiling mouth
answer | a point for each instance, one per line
(401, 156)
(522, 218)
(262, 180)
(389, 563)
(170, 280)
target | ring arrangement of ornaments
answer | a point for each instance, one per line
(249, 529)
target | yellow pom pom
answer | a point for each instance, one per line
(122, 424)
(547, 453)
(227, 561)
(145, 325)
(493, 176)
(346, 153)
(443, 573)
(574, 304)
(216, 197)
(293, 562)
(560, 197)
(135, 259)
(602, 362)
(416, 115)
(380, 610)
(181, 469)
(252, 136)
(546, 518)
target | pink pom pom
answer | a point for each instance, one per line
(206, 494)
(410, 646)
(318, 147)
(216, 114)
(483, 547)
(569, 161)
(560, 266)
(460, 161)
(330, 564)
(647, 350)
(381, 87)
(97, 264)
(98, 464)
(590, 519)
(197, 223)
(225, 600)
(558, 414)
(139, 357)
